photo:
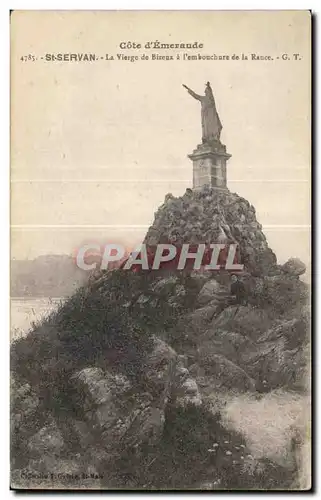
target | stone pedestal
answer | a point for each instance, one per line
(209, 165)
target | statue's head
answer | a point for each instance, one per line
(208, 90)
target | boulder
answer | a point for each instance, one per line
(273, 365)
(247, 320)
(125, 416)
(294, 267)
(200, 317)
(294, 331)
(158, 365)
(284, 291)
(185, 390)
(229, 344)
(212, 290)
(224, 374)
(165, 286)
(99, 387)
(139, 421)
(187, 394)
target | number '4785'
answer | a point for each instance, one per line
(29, 57)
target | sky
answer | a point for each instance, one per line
(96, 146)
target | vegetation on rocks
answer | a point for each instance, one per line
(127, 384)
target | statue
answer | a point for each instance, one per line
(211, 123)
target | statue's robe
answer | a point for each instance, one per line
(211, 123)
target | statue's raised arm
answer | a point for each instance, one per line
(211, 123)
(192, 93)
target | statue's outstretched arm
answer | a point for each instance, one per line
(192, 93)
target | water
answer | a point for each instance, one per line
(26, 311)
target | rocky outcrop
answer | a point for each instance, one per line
(124, 386)
(294, 267)
(212, 216)
(111, 416)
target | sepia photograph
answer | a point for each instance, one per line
(160, 265)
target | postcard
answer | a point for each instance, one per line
(160, 250)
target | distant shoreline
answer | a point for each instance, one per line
(30, 297)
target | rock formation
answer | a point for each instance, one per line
(125, 385)
(210, 215)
